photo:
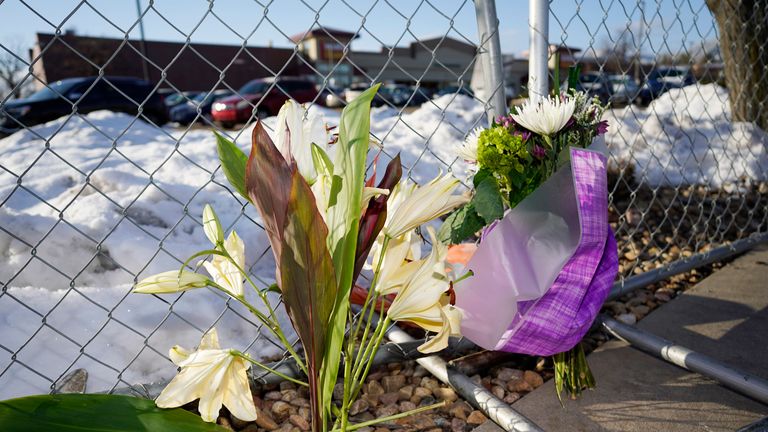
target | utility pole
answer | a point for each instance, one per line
(142, 42)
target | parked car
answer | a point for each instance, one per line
(623, 89)
(175, 98)
(454, 90)
(333, 97)
(355, 90)
(186, 113)
(263, 97)
(89, 94)
(594, 84)
(402, 95)
(661, 80)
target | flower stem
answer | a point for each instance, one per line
(392, 417)
(275, 328)
(269, 369)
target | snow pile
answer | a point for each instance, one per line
(686, 137)
(90, 204)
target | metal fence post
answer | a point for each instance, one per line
(490, 56)
(538, 29)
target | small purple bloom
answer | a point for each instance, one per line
(602, 127)
(523, 134)
(538, 152)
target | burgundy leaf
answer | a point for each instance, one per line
(375, 215)
(268, 183)
(307, 281)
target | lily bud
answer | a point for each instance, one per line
(171, 282)
(212, 226)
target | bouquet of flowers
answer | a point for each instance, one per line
(547, 256)
(323, 220)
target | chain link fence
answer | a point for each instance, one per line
(688, 175)
(100, 188)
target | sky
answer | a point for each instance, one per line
(669, 25)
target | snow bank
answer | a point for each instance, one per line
(686, 137)
(90, 204)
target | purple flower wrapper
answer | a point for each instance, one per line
(543, 272)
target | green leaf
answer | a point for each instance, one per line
(482, 174)
(322, 162)
(233, 162)
(487, 200)
(308, 281)
(573, 76)
(343, 218)
(96, 412)
(461, 225)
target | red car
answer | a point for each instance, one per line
(264, 97)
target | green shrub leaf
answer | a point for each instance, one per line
(233, 162)
(96, 412)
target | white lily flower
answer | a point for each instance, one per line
(215, 376)
(410, 206)
(225, 273)
(171, 282)
(468, 149)
(371, 192)
(400, 261)
(545, 116)
(295, 135)
(424, 301)
(212, 226)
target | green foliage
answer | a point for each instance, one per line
(233, 162)
(461, 225)
(96, 412)
(487, 200)
(499, 151)
(573, 77)
(343, 220)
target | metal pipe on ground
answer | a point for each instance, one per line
(742, 382)
(695, 261)
(494, 408)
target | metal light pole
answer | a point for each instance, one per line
(142, 43)
(490, 56)
(538, 28)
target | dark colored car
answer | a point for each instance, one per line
(659, 81)
(177, 98)
(116, 94)
(594, 85)
(452, 90)
(264, 97)
(186, 113)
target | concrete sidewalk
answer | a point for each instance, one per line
(725, 316)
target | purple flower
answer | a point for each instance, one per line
(538, 152)
(602, 127)
(505, 121)
(524, 135)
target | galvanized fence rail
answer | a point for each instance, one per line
(685, 178)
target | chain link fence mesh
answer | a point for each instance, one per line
(687, 175)
(96, 199)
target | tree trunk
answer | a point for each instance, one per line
(743, 26)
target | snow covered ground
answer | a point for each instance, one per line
(686, 137)
(89, 205)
